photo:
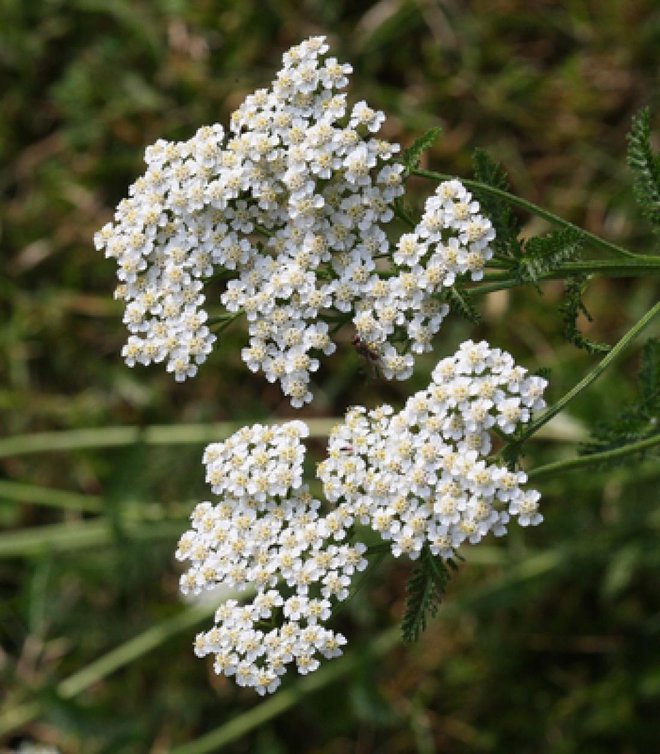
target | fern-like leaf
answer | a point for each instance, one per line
(638, 421)
(571, 307)
(544, 254)
(426, 589)
(413, 154)
(507, 227)
(461, 303)
(645, 166)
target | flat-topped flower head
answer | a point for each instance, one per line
(423, 476)
(267, 535)
(289, 210)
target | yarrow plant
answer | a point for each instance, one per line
(296, 213)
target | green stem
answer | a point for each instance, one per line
(217, 319)
(615, 352)
(559, 467)
(345, 319)
(497, 281)
(264, 231)
(530, 207)
(368, 573)
(597, 266)
(403, 215)
(218, 327)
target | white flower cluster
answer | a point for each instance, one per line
(422, 476)
(452, 239)
(419, 477)
(289, 210)
(267, 534)
(290, 206)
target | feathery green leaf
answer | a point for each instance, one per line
(571, 307)
(459, 301)
(413, 154)
(645, 166)
(545, 253)
(507, 227)
(638, 421)
(426, 589)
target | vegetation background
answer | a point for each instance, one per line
(549, 639)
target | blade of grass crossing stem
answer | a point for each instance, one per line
(35, 494)
(153, 637)
(106, 437)
(185, 434)
(287, 698)
(68, 537)
(108, 663)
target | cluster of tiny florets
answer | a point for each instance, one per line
(267, 535)
(287, 208)
(452, 239)
(421, 476)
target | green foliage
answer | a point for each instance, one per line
(535, 257)
(571, 307)
(543, 254)
(645, 166)
(498, 210)
(638, 421)
(461, 303)
(426, 589)
(413, 154)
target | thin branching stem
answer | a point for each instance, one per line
(497, 281)
(593, 375)
(218, 327)
(533, 209)
(403, 215)
(592, 459)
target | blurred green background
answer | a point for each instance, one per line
(549, 640)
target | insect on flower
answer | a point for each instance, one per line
(368, 350)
